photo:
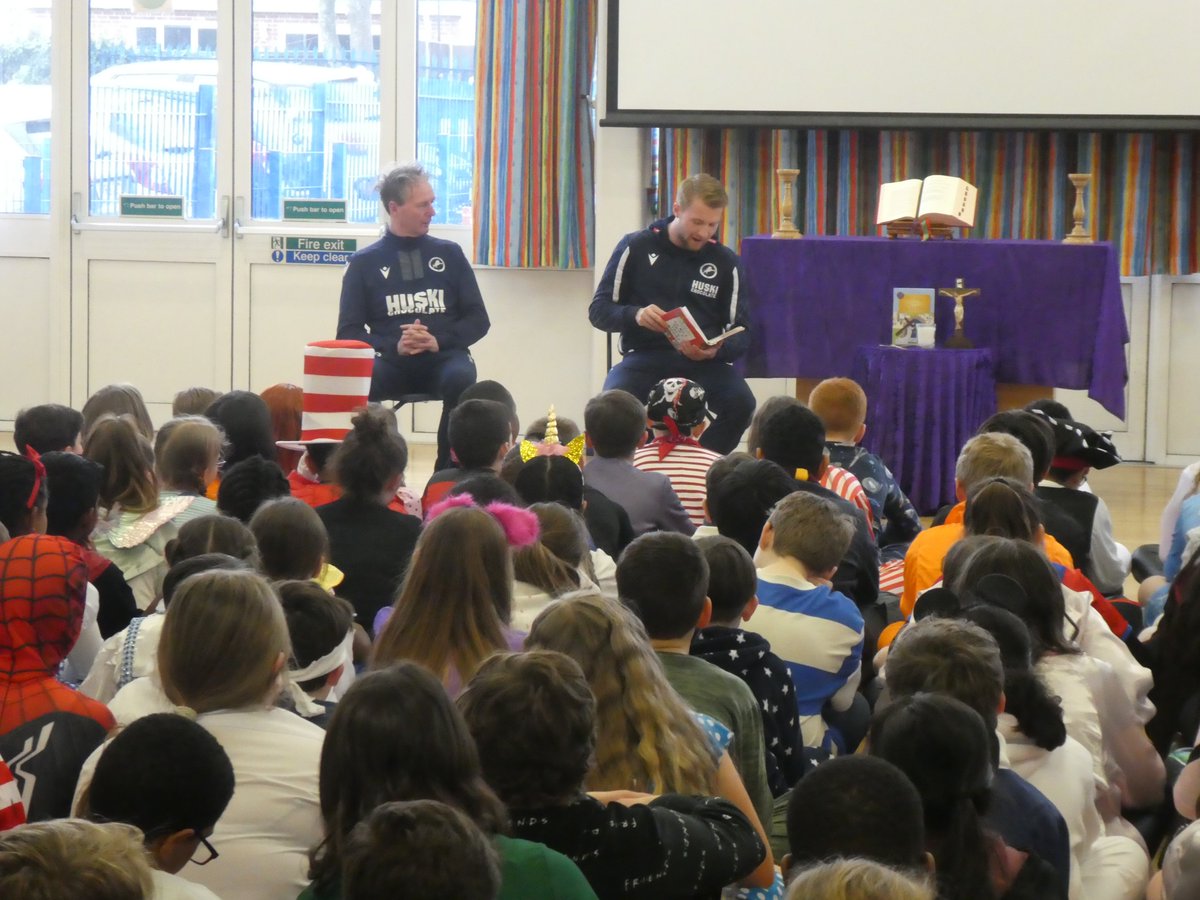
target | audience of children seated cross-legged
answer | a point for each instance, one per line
(945, 749)
(647, 738)
(223, 659)
(455, 608)
(841, 405)
(1097, 711)
(663, 579)
(396, 736)
(74, 858)
(211, 542)
(369, 542)
(615, 426)
(532, 716)
(170, 778)
(961, 660)
(676, 705)
(733, 593)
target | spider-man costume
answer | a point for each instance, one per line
(47, 730)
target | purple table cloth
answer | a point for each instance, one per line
(922, 406)
(1050, 313)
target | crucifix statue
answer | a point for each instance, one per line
(958, 340)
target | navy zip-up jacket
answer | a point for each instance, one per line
(646, 268)
(397, 280)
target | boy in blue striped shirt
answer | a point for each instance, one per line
(817, 631)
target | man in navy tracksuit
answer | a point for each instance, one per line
(676, 262)
(415, 300)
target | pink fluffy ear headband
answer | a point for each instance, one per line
(521, 527)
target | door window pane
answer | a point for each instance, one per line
(446, 103)
(25, 107)
(315, 107)
(153, 124)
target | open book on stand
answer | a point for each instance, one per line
(683, 329)
(940, 201)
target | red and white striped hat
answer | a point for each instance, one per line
(337, 381)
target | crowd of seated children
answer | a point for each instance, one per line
(615, 426)
(675, 705)
(733, 593)
(1096, 705)
(646, 737)
(532, 716)
(663, 579)
(677, 414)
(168, 777)
(794, 438)
(833, 478)
(455, 608)
(945, 749)
(396, 736)
(841, 405)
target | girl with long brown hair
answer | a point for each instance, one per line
(455, 606)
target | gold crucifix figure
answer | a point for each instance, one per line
(958, 340)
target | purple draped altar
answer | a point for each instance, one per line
(922, 406)
(1050, 313)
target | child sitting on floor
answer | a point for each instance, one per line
(171, 779)
(615, 425)
(842, 406)
(677, 413)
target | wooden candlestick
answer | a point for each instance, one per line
(785, 191)
(1079, 234)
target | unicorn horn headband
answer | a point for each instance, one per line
(550, 446)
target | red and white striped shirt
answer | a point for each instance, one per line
(686, 465)
(848, 487)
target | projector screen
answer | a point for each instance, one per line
(1093, 64)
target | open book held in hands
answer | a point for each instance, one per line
(938, 200)
(683, 329)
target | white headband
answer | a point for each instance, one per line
(341, 655)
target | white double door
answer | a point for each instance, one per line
(93, 297)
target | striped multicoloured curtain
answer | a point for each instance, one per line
(1145, 194)
(533, 142)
